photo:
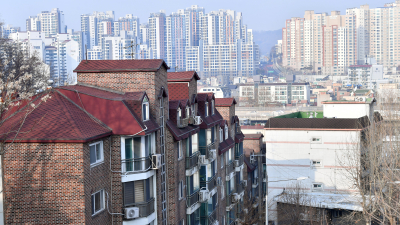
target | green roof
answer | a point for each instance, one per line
(300, 114)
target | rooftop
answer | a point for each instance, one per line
(185, 76)
(137, 65)
(317, 114)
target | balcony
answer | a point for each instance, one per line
(255, 182)
(240, 159)
(192, 199)
(136, 165)
(183, 122)
(230, 168)
(193, 160)
(229, 201)
(145, 208)
(205, 150)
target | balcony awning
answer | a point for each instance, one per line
(226, 145)
(181, 133)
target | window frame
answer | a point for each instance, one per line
(102, 202)
(221, 135)
(212, 107)
(316, 164)
(226, 132)
(181, 189)
(318, 140)
(317, 188)
(206, 109)
(180, 150)
(101, 160)
(145, 105)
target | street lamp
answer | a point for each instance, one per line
(266, 195)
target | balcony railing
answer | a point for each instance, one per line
(136, 165)
(230, 168)
(205, 150)
(145, 208)
(241, 159)
(229, 199)
(183, 122)
(212, 218)
(193, 160)
(192, 199)
(210, 184)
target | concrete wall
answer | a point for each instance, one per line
(356, 110)
(290, 154)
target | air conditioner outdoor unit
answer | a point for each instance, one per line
(203, 195)
(359, 99)
(156, 161)
(245, 183)
(245, 211)
(197, 120)
(202, 159)
(235, 197)
(236, 163)
(213, 154)
(131, 212)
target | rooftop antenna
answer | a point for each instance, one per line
(131, 46)
(86, 52)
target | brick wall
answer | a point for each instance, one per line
(95, 179)
(252, 144)
(44, 183)
(192, 88)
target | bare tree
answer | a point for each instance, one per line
(374, 165)
(296, 207)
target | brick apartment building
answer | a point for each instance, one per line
(129, 144)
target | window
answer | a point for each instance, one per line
(182, 222)
(221, 135)
(136, 152)
(145, 109)
(138, 191)
(316, 140)
(222, 160)
(179, 147)
(181, 187)
(96, 153)
(226, 132)
(337, 213)
(178, 114)
(187, 111)
(97, 202)
(317, 186)
(206, 109)
(212, 107)
(316, 163)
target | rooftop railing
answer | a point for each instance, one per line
(183, 122)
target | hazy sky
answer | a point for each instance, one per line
(258, 15)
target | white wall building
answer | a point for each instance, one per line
(219, 92)
(313, 148)
(349, 109)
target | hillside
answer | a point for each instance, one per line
(267, 39)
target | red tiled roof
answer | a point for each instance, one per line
(178, 91)
(91, 66)
(184, 76)
(253, 136)
(225, 102)
(112, 108)
(56, 120)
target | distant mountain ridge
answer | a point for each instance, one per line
(266, 39)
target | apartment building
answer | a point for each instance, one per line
(285, 93)
(51, 22)
(331, 43)
(365, 76)
(155, 153)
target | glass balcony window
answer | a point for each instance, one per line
(136, 152)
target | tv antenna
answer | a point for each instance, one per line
(132, 46)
